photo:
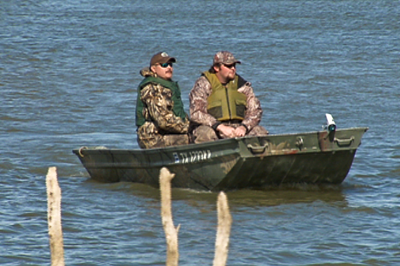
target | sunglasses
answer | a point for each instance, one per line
(164, 65)
(230, 66)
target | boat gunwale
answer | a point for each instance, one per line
(220, 142)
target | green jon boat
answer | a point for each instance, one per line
(320, 157)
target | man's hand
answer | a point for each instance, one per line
(230, 132)
(226, 131)
(240, 131)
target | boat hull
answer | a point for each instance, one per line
(249, 162)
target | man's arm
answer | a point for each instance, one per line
(198, 103)
(159, 105)
(253, 111)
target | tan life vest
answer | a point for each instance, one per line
(225, 102)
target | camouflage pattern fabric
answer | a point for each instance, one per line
(198, 111)
(205, 133)
(148, 137)
(225, 57)
(162, 127)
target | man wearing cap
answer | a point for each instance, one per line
(160, 117)
(223, 104)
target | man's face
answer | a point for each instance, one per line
(225, 73)
(164, 71)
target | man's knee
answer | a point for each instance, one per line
(204, 134)
(258, 131)
(176, 140)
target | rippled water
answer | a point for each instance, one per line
(68, 78)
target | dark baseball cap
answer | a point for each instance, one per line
(225, 57)
(161, 58)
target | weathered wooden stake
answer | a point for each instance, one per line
(54, 218)
(223, 232)
(171, 233)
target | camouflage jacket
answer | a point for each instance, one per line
(158, 107)
(198, 104)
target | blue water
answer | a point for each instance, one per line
(68, 77)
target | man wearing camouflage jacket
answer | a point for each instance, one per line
(160, 116)
(223, 104)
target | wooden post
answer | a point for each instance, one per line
(224, 229)
(54, 218)
(171, 233)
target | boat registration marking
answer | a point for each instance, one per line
(192, 156)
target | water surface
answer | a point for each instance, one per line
(69, 72)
